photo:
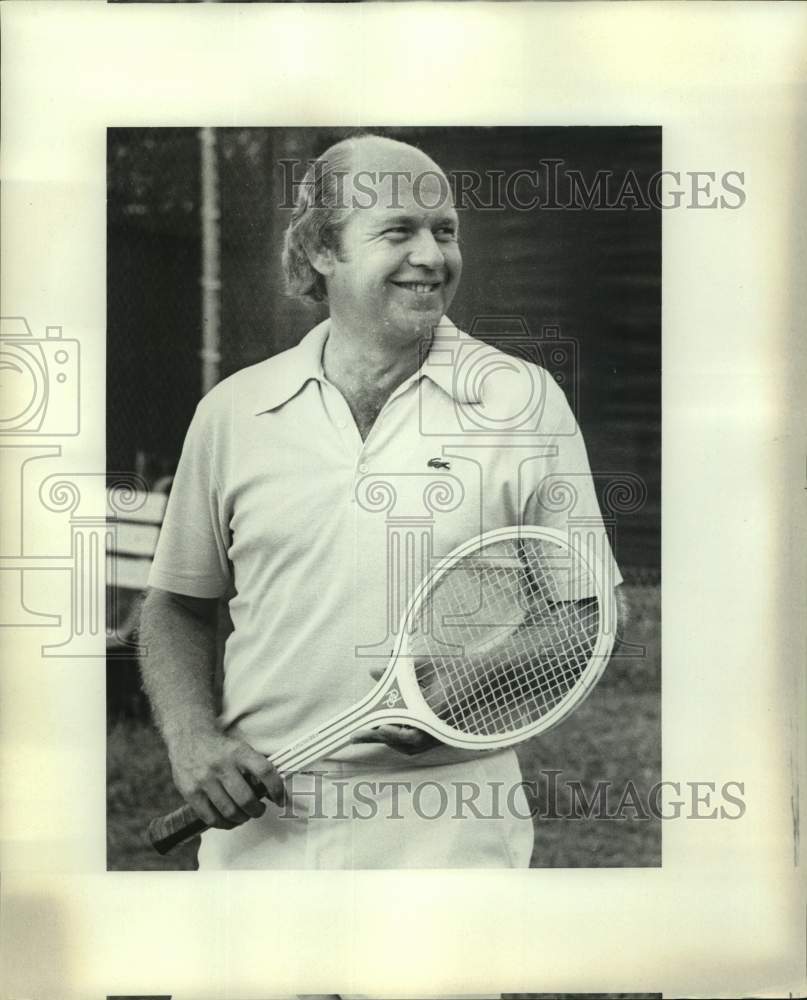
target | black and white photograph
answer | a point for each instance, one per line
(397, 358)
(403, 471)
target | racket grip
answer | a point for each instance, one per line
(166, 832)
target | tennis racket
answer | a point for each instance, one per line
(502, 640)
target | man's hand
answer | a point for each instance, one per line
(223, 777)
(405, 739)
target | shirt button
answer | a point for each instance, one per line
(364, 467)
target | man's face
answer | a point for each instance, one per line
(399, 260)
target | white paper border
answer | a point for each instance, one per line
(724, 917)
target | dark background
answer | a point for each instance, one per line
(594, 274)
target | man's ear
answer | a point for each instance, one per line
(323, 261)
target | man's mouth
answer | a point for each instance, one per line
(420, 287)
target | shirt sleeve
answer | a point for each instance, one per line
(563, 497)
(191, 556)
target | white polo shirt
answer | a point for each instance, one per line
(321, 537)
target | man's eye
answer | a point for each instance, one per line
(447, 233)
(396, 231)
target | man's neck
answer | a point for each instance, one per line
(368, 369)
(362, 361)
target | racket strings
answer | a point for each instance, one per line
(502, 644)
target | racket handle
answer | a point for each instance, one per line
(167, 832)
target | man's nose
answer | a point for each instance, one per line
(426, 252)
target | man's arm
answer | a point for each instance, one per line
(210, 768)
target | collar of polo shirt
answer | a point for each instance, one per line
(300, 364)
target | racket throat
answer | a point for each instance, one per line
(384, 704)
(390, 697)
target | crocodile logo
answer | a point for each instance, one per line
(438, 463)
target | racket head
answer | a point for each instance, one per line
(503, 639)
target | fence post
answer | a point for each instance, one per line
(210, 279)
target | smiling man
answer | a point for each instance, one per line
(389, 270)
(300, 480)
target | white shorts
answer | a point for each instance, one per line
(472, 814)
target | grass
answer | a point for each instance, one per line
(139, 787)
(612, 738)
(615, 736)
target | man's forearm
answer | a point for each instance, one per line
(178, 666)
(218, 774)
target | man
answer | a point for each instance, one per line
(299, 479)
